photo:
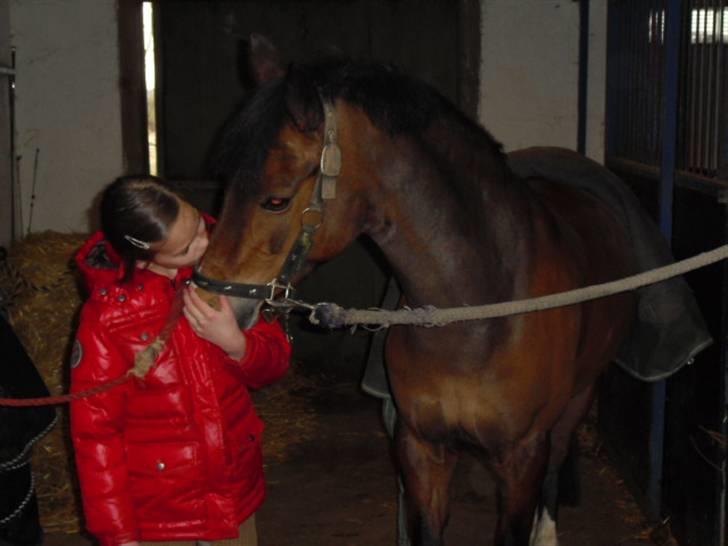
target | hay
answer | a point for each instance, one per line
(39, 293)
(41, 300)
(286, 410)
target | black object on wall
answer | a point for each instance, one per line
(20, 429)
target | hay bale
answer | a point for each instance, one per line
(42, 300)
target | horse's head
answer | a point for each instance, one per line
(291, 199)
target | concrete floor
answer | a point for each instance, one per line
(338, 489)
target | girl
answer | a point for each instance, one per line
(175, 456)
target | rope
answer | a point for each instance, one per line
(333, 316)
(144, 361)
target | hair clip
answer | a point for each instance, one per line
(137, 243)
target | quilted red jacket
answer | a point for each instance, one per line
(177, 455)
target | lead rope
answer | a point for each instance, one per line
(144, 361)
(334, 316)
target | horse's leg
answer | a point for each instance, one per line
(544, 533)
(389, 416)
(520, 472)
(426, 471)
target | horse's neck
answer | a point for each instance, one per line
(447, 246)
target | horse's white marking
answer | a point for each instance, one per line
(534, 527)
(543, 532)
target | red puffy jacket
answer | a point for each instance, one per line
(176, 455)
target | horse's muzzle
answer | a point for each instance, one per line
(246, 310)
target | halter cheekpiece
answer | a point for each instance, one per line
(311, 219)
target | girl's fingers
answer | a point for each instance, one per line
(225, 306)
(192, 311)
(200, 305)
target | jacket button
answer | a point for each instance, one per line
(140, 287)
(144, 336)
(161, 466)
(251, 437)
(103, 291)
(122, 298)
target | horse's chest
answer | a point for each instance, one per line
(482, 398)
(452, 411)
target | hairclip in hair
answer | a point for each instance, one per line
(137, 243)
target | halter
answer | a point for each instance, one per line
(311, 219)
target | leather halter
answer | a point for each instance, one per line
(311, 219)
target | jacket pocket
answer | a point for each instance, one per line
(162, 459)
(166, 482)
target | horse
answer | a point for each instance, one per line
(335, 149)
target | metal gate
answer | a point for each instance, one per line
(667, 136)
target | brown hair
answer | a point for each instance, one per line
(136, 212)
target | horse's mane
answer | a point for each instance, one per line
(395, 103)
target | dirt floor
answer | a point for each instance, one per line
(331, 481)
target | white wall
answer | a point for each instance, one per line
(529, 73)
(68, 106)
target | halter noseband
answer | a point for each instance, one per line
(311, 218)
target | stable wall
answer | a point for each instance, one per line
(68, 100)
(67, 107)
(530, 71)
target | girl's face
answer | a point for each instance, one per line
(187, 240)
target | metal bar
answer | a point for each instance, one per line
(723, 125)
(656, 19)
(721, 141)
(630, 79)
(583, 76)
(667, 186)
(7, 71)
(717, 87)
(641, 70)
(716, 189)
(701, 45)
(692, 114)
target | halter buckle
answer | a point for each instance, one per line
(331, 160)
(275, 287)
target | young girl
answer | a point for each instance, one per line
(175, 456)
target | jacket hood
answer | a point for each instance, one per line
(99, 264)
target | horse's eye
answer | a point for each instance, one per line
(276, 204)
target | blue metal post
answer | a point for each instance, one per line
(667, 186)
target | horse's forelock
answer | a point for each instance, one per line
(248, 136)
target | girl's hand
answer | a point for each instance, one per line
(134, 543)
(218, 327)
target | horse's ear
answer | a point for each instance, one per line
(264, 59)
(302, 99)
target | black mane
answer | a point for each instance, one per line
(395, 102)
